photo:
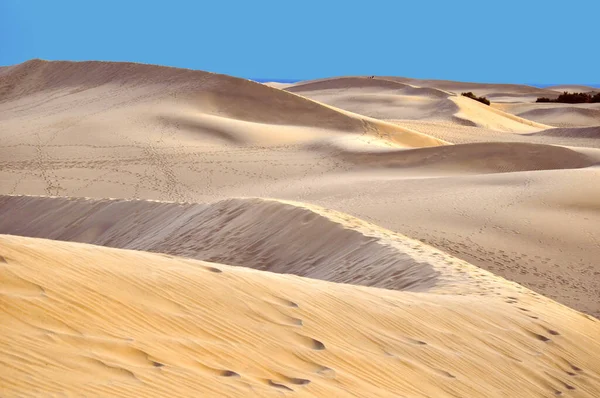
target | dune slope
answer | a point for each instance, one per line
(88, 320)
(387, 99)
(271, 235)
(124, 98)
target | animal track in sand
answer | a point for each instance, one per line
(215, 371)
(229, 373)
(213, 269)
(282, 301)
(277, 385)
(538, 336)
(310, 342)
(444, 373)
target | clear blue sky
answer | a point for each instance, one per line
(525, 41)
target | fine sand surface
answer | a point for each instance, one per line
(555, 114)
(96, 321)
(388, 199)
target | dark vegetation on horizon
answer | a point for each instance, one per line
(483, 100)
(573, 98)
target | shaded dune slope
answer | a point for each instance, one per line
(276, 236)
(88, 320)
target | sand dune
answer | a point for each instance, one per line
(100, 321)
(573, 87)
(131, 93)
(387, 99)
(554, 114)
(502, 228)
(263, 234)
(583, 137)
(365, 83)
(573, 133)
(186, 141)
(278, 84)
(496, 157)
(299, 296)
(494, 91)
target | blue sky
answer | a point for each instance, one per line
(525, 41)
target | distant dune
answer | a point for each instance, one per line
(573, 87)
(494, 91)
(387, 99)
(558, 115)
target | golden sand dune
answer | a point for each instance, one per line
(106, 322)
(387, 99)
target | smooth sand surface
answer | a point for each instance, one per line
(555, 114)
(96, 321)
(385, 183)
(388, 99)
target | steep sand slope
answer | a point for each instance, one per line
(386, 99)
(85, 320)
(264, 234)
(515, 233)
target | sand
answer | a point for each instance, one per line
(98, 321)
(387, 199)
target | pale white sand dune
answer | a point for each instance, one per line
(496, 92)
(387, 99)
(393, 203)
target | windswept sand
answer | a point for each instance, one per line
(98, 321)
(389, 200)
(387, 99)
